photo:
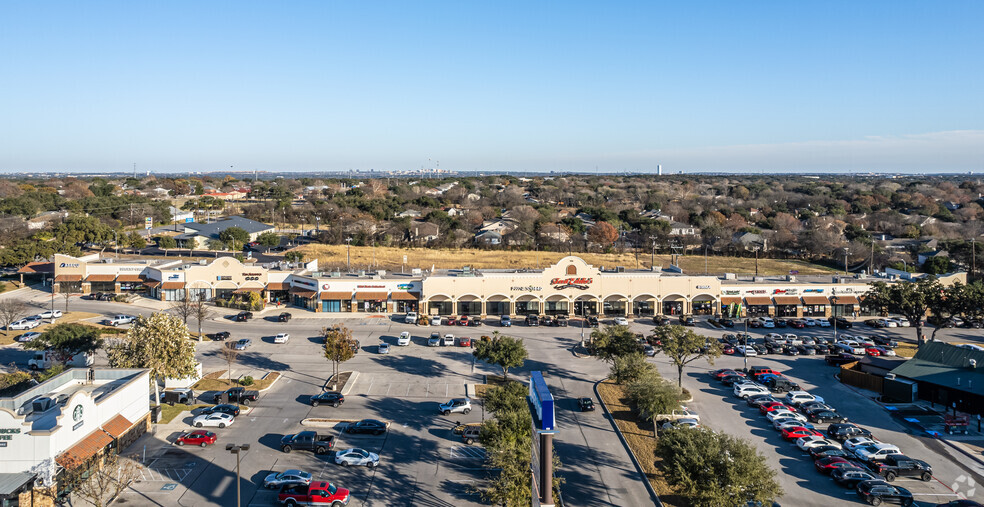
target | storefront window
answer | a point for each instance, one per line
(556, 308)
(586, 307)
(527, 307)
(614, 307)
(672, 307)
(758, 310)
(842, 310)
(469, 307)
(70, 287)
(406, 306)
(786, 310)
(174, 294)
(370, 306)
(642, 308)
(197, 294)
(497, 308)
(440, 307)
(132, 287)
(703, 307)
(102, 286)
(815, 310)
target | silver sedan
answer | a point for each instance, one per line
(357, 457)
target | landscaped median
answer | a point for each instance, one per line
(214, 382)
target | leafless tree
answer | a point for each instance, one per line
(230, 354)
(11, 310)
(183, 308)
(101, 483)
(201, 312)
(67, 295)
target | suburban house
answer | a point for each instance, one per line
(424, 231)
(412, 213)
(923, 257)
(195, 235)
(749, 241)
(488, 238)
(554, 232)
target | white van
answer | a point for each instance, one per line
(45, 359)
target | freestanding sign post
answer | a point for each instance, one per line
(541, 462)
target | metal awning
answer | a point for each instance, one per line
(153, 284)
(172, 285)
(68, 278)
(344, 296)
(100, 278)
(786, 300)
(243, 290)
(278, 286)
(404, 296)
(371, 296)
(85, 449)
(815, 300)
(117, 426)
(14, 482)
(758, 301)
(845, 300)
(730, 301)
(302, 293)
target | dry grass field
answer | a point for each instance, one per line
(391, 259)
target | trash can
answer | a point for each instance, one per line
(155, 413)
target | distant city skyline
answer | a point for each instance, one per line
(880, 86)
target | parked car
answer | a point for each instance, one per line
(220, 336)
(243, 344)
(284, 317)
(585, 404)
(217, 419)
(727, 322)
(876, 452)
(877, 491)
(842, 323)
(463, 321)
(316, 493)
(180, 395)
(561, 321)
(462, 405)
(238, 394)
(357, 457)
(222, 408)
(23, 324)
(404, 339)
(620, 321)
(448, 340)
(532, 320)
(464, 341)
(828, 465)
(857, 442)
(593, 321)
(289, 477)
(50, 314)
(825, 416)
(847, 431)
(281, 338)
(435, 320)
(307, 441)
(26, 337)
(243, 316)
(333, 398)
(410, 318)
(850, 477)
(900, 465)
(796, 432)
(383, 348)
(795, 398)
(827, 451)
(367, 426)
(434, 340)
(201, 438)
(505, 321)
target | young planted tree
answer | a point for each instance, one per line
(339, 347)
(268, 239)
(230, 354)
(653, 396)
(683, 346)
(160, 344)
(67, 341)
(11, 310)
(293, 256)
(99, 484)
(183, 308)
(504, 351)
(712, 468)
(630, 367)
(66, 295)
(909, 299)
(613, 341)
(201, 312)
(166, 243)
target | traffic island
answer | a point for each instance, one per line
(345, 379)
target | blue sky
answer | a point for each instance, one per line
(494, 86)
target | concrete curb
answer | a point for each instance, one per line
(625, 444)
(347, 388)
(279, 376)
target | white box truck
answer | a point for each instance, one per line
(44, 359)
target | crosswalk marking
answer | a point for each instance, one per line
(163, 474)
(467, 452)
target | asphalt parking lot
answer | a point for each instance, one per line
(423, 463)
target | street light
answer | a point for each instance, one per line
(744, 350)
(348, 250)
(237, 449)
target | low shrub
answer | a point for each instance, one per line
(246, 381)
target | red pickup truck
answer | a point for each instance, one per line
(316, 493)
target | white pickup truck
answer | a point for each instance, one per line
(121, 320)
(681, 413)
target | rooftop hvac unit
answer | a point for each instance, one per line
(415, 272)
(43, 404)
(336, 274)
(362, 272)
(730, 276)
(620, 269)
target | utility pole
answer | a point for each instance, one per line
(845, 261)
(973, 257)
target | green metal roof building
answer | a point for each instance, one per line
(947, 374)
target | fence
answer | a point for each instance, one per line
(852, 377)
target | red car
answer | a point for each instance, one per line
(798, 324)
(728, 349)
(316, 493)
(198, 437)
(775, 405)
(871, 351)
(796, 432)
(720, 374)
(464, 341)
(463, 321)
(452, 320)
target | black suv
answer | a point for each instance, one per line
(244, 316)
(367, 426)
(283, 317)
(225, 408)
(844, 431)
(333, 398)
(593, 321)
(900, 465)
(840, 322)
(220, 336)
(532, 320)
(876, 492)
(560, 321)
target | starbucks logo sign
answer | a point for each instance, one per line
(77, 413)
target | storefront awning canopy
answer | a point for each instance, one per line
(153, 284)
(404, 296)
(117, 426)
(37, 267)
(730, 301)
(344, 296)
(68, 278)
(243, 290)
(85, 449)
(787, 300)
(302, 293)
(371, 296)
(100, 278)
(278, 286)
(131, 278)
(816, 300)
(172, 285)
(845, 300)
(758, 301)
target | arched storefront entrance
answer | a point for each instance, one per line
(199, 289)
(673, 304)
(439, 305)
(469, 304)
(615, 305)
(644, 306)
(703, 304)
(586, 306)
(224, 289)
(497, 304)
(557, 304)
(527, 305)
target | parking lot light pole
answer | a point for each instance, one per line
(744, 350)
(237, 450)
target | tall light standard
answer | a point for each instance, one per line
(744, 350)
(348, 251)
(237, 450)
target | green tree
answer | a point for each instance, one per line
(234, 235)
(909, 299)
(166, 243)
(67, 340)
(613, 341)
(630, 367)
(956, 299)
(339, 347)
(160, 344)
(712, 469)
(937, 265)
(268, 239)
(294, 256)
(683, 346)
(504, 351)
(136, 241)
(653, 396)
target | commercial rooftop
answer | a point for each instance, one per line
(62, 386)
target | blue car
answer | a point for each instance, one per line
(505, 321)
